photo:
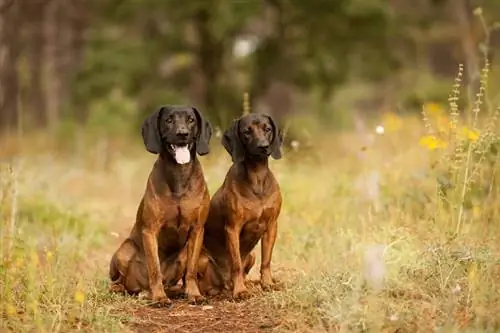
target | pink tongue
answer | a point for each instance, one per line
(182, 155)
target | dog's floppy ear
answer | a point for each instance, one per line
(204, 134)
(151, 132)
(231, 141)
(277, 139)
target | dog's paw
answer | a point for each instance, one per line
(270, 285)
(267, 286)
(196, 299)
(117, 288)
(162, 302)
(241, 295)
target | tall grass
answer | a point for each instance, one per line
(415, 247)
(377, 237)
(47, 283)
(367, 241)
(388, 232)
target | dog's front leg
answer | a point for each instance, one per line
(194, 248)
(233, 243)
(153, 265)
(267, 245)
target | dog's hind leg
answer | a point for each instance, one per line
(210, 282)
(119, 265)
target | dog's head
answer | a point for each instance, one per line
(179, 130)
(253, 136)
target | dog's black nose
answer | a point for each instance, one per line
(182, 132)
(263, 145)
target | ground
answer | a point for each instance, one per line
(372, 237)
(219, 316)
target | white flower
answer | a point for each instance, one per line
(380, 129)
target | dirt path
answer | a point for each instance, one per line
(218, 316)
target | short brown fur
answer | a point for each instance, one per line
(244, 209)
(165, 242)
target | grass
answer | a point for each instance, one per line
(377, 232)
(48, 281)
(430, 280)
(414, 248)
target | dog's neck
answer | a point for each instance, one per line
(177, 176)
(256, 174)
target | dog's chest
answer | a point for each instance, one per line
(179, 218)
(257, 209)
(257, 219)
(255, 227)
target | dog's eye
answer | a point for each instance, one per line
(170, 120)
(267, 129)
(247, 131)
(190, 120)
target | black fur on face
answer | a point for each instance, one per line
(253, 136)
(172, 127)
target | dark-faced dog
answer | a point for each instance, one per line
(165, 242)
(244, 209)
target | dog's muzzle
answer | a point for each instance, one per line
(181, 153)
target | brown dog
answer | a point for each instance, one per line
(165, 242)
(244, 209)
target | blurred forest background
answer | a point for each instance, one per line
(104, 64)
(415, 208)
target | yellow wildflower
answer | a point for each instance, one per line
(79, 297)
(19, 262)
(391, 122)
(470, 134)
(432, 143)
(11, 309)
(433, 109)
(472, 273)
(476, 211)
(49, 255)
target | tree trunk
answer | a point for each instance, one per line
(52, 78)
(210, 52)
(78, 24)
(35, 98)
(270, 79)
(463, 9)
(10, 25)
